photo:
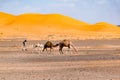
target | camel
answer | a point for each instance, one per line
(66, 43)
(50, 45)
(34, 47)
(38, 46)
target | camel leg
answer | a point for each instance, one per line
(61, 52)
(40, 50)
(43, 49)
(74, 49)
(60, 49)
(46, 49)
(24, 49)
(68, 47)
(50, 50)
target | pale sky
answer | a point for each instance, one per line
(91, 11)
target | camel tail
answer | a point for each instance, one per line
(73, 47)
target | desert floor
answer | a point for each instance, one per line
(95, 60)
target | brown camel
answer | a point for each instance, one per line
(66, 43)
(50, 45)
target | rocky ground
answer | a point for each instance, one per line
(95, 60)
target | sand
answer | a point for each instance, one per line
(53, 26)
(95, 60)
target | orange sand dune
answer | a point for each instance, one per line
(101, 26)
(6, 19)
(55, 21)
(55, 25)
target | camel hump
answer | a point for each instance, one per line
(66, 41)
(48, 43)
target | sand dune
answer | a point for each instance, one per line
(6, 19)
(56, 25)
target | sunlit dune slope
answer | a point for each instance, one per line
(6, 19)
(56, 21)
(53, 19)
(53, 24)
(101, 26)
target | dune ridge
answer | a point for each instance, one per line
(53, 26)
